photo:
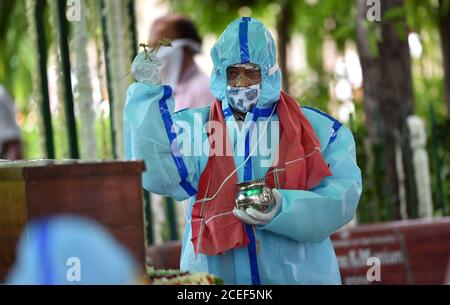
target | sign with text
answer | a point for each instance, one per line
(401, 252)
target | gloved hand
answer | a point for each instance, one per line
(145, 68)
(254, 217)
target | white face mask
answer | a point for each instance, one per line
(243, 99)
(172, 60)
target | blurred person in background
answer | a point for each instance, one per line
(51, 249)
(10, 141)
(178, 68)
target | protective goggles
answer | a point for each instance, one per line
(243, 75)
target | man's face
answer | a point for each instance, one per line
(161, 29)
(243, 75)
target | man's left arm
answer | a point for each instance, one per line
(313, 215)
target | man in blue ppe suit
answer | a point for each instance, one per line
(319, 194)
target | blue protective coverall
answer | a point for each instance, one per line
(294, 247)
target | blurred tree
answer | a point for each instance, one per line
(284, 21)
(430, 20)
(16, 63)
(388, 90)
(368, 33)
(318, 22)
(428, 17)
(444, 30)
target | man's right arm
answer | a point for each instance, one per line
(150, 136)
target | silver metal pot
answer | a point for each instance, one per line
(254, 194)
